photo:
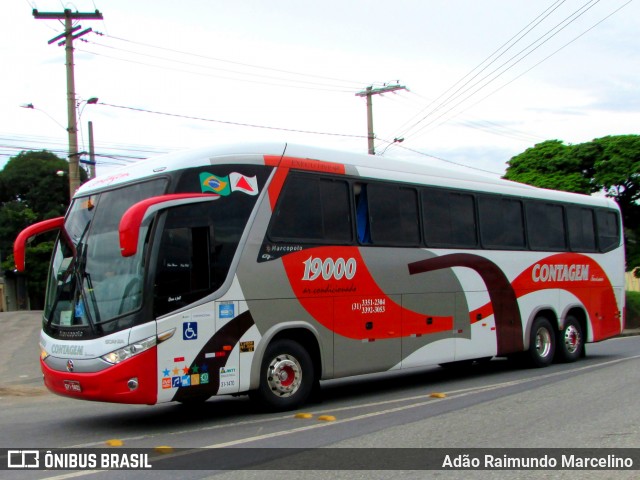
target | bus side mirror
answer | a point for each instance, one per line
(131, 221)
(20, 245)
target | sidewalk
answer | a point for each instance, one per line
(20, 354)
(629, 332)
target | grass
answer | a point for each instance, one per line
(633, 310)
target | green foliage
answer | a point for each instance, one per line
(31, 191)
(633, 309)
(551, 165)
(14, 216)
(608, 164)
(617, 171)
(30, 178)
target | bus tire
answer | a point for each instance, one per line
(542, 343)
(286, 376)
(570, 343)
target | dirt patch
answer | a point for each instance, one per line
(22, 391)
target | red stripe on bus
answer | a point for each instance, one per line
(305, 164)
(355, 307)
(275, 187)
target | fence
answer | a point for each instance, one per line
(632, 282)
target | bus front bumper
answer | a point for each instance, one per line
(132, 381)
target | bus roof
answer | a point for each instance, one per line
(369, 166)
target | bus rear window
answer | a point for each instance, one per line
(608, 231)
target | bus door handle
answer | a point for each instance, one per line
(368, 325)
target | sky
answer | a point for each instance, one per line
(483, 80)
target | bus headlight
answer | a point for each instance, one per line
(129, 351)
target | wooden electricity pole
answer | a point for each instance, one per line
(369, 92)
(67, 39)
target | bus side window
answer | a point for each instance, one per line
(312, 209)
(545, 226)
(449, 219)
(194, 255)
(183, 268)
(501, 222)
(582, 230)
(393, 214)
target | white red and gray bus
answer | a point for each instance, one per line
(264, 268)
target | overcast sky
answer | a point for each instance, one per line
(485, 79)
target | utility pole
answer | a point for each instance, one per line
(369, 92)
(69, 36)
(92, 153)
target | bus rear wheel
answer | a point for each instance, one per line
(570, 341)
(286, 376)
(541, 343)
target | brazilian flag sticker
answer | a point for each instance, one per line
(214, 184)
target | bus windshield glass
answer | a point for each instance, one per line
(91, 286)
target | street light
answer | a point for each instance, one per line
(92, 158)
(395, 140)
(30, 106)
(74, 174)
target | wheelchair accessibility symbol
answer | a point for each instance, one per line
(189, 330)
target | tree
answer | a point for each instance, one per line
(31, 178)
(31, 190)
(554, 165)
(609, 164)
(617, 171)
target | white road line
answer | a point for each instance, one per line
(452, 395)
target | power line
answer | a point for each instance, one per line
(67, 37)
(424, 154)
(368, 94)
(486, 126)
(225, 122)
(287, 85)
(496, 73)
(509, 44)
(553, 53)
(259, 67)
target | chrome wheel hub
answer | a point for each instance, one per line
(285, 375)
(572, 339)
(543, 342)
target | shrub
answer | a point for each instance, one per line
(633, 310)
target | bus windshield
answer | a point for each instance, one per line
(91, 285)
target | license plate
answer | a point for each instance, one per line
(72, 386)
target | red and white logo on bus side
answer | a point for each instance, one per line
(329, 268)
(560, 273)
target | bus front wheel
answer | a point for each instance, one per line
(541, 343)
(286, 376)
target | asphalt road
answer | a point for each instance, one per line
(588, 404)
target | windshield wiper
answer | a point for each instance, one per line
(84, 275)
